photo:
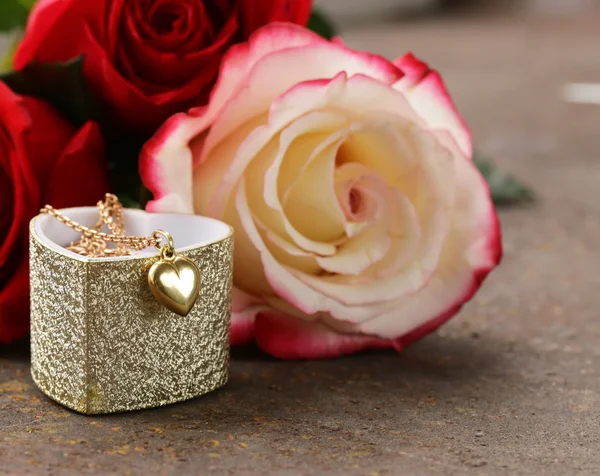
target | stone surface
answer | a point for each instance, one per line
(509, 387)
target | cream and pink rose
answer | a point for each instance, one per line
(360, 218)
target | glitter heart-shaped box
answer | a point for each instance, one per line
(101, 342)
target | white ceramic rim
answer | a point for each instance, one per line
(188, 231)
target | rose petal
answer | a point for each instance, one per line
(248, 140)
(314, 244)
(384, 247)
(14, 305)
(433, 203)
(239, 61)
(168, 150)
(287, 253)
(256, 13)
(248, 272)
(279, 48)
(83, 162)
(25, 186)
(216, 179)
(286, 338)
(472, 250)
(244, 309)
(45, 17)
(166, 168)
(279, 279)
(321, 206)
(428, 95)
(358, 254)
(140, 59)
(275, 171)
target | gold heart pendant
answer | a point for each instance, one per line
(175, 282)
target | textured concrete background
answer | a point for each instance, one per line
(509, 387)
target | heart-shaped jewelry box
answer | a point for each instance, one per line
(101, 342)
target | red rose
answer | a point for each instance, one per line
(148, 59)
(42, 160)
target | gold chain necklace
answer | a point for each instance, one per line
(174, 279)
(94, 242)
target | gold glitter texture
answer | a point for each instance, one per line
(101, 343)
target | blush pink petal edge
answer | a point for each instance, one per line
(418, 77)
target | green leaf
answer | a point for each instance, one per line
(505, 188)
(13, 15)
(320, 23)
(6, 60)
(27, 4)
(62, 85)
